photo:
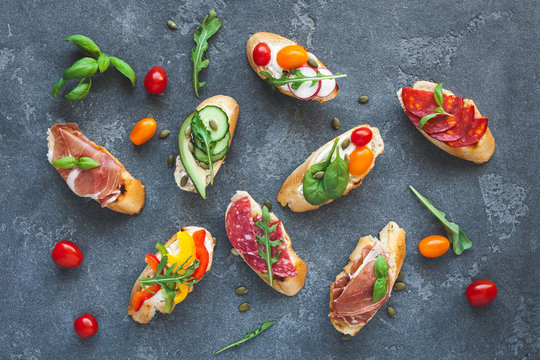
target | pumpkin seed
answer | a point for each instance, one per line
(268, 204)
(391, 311)
(318, 175)
(214, 240)
(234, 252)
(400, 276)
(170, 160)
(346, 158)
(184, 180)
(313, 63)
(335, 123)
(191, 147)
(213, 124)
(172, 25)
(400, 286)
(346, 337)
(363, 99)
(345, 144)
(203, 166)
(243, 307)
(164, 133)
(242, 290)
(187, 132)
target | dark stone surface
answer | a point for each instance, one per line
(486, 50)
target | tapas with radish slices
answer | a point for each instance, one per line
(290, 68)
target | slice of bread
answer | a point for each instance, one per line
(392, 239)
(290, 194)
(231, 108)
(157, 302)
(479, 152)
(286, 286)
(281, 42)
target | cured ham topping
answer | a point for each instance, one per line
(352, 292)
(102, 183)
(241, 230)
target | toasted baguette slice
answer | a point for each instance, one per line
(278, 41)
(479, 152)
(392, 238)
(286, 286)
(290, 192)
(231, 108)
(157, 302)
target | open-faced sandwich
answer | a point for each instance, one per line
(332, 170)
(91, 171)
(290, 68)
(261, 240)
(171, 273)
(203, 143)
(365, 283)
(453, 124)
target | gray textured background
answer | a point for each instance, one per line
(486, 50)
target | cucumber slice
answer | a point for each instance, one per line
(202, 157)
(218, 147)
(221, 119)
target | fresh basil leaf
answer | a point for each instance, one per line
(124, 68)
(336, 177)
(381, 267)
(80, 91)
(87, 163)
(103, 62)
(425, 119)
(67, 162)
(57, 87)
(82, 68)
(438, 95)
(85, 45)
(379, 289)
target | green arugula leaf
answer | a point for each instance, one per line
(201, 132)
(266, 254)
(296, 81)
(124, 68)
(103, 62)
(457, 237)
(171, 276)
(379, 289)
(57, 87)
(82, 68)
(209, 27)
(85, 45)
(267, 324)
(80, 91)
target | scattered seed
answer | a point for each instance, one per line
(191, 147)
(346, 337)
(213, 125)
(187, 132)
(184, 180)
(242, 290)
(172, 25)
(318, 175)
(335, 123)
(391, 311)
(164, 133)
(243, 307)
(345, 144)
(400, 276)
(204, 166)
(400, 286)
(313, 63)
(214, 240)
(346, 158)
(268, 204)
(363, 99)
(170, 161)
(234, 252)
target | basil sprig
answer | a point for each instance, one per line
(332, 184)
(86, 67)
(457, 237)
(381, 272)
(298, 80)
(249, 335)
(439, 99)
(266, 254)
(209, 27)
(68, 162)
(201, 132)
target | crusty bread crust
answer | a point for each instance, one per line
(392, 238)
(289, 195)
(288, 286)
(148, 308)
(231, 108)
(266, 36)
(479, 152)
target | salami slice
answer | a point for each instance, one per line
(475, 133)
(461, 128)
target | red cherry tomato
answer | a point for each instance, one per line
(143, 131)
(481, 292)
(86, 326)
(155, 80)
(66, 254)
(261, 54)
(361, 136)
(434, 246)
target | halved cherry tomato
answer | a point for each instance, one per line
(360, 160)
(66, 254)
(434, 246)
(481, 292)
(202, 254)
(86, 326)
(152, 260)
(155, 80)
(292, 56)
(361, 136)
(261, 54)
(143, 131)
(143, 295)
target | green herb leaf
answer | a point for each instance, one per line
(266, 254)
(209, 27)
(425, 119)
(296, 81)
(124, 68)
(87, 163)
(57, 87)
(80, 91)
(201, 132)
(438, 94)
(249, 336)
(85, 45)
(381, 267)
(171, 276)
(103, 62)
(459, 240)
(379, 289)
(82, 68)
(336, 177)
(67, 162)
(162, 249)
(439, 99)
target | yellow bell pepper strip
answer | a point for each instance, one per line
(181, 292)
(186, 253)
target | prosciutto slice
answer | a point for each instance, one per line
(102, 183)
(352, 293)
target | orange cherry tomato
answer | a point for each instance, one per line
(143, 131)
(434, 246)
(292, 56)
(360, 160)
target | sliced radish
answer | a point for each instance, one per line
(306, 91)
(327, 86)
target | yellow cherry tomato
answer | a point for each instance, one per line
(143, 131)
(181, 292)
(360, 160)
(434, 246)
(187, 251)
(292, 56)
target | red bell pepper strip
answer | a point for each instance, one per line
(143, 295)
(152, 260)
(201, 253)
